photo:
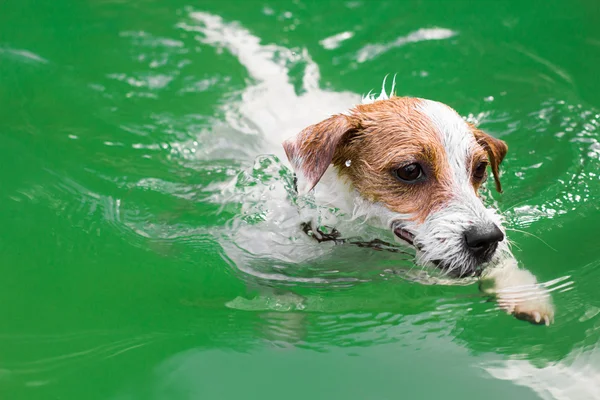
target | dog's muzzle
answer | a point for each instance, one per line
(478, 245)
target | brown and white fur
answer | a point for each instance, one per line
(347, 161)
(360, 153)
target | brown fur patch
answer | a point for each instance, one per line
(379, 138)
(496, 150)
(312, 150)
(392, 134)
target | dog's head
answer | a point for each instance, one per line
(419, 165)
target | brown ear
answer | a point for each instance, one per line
(496, 150)
(312, 150)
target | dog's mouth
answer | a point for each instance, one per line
(405, 235)
(408, 237)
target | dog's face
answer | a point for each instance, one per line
(419, 165)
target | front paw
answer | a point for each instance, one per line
(532, 304)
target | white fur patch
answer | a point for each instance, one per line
(441, 236)
(457, 139)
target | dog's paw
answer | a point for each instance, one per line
(534, 306)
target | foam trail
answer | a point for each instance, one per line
(271, 106)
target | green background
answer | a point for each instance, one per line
(114, 284)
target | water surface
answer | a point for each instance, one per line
(128, 137)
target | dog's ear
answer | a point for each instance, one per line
(312, 150)
(496, 150)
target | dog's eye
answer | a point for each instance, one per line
(479, 171)
(409, 173)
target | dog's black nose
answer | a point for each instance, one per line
(482, 240)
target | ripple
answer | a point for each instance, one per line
(66, 197)
(149, 81)
(568, 133)
(46, 370)
(335, 41)
(372, 51)
(143, 38)
(23, 55)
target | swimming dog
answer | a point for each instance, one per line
(415, 166)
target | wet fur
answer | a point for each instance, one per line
(358, 150)
(276, 110)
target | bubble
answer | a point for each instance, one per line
(348, 163)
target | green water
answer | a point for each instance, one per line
(115, 284)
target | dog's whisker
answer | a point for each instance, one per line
(511, 243)
(532, 235)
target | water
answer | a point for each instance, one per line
(129, 187)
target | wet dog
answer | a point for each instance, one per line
(414, 166)
(410, 166)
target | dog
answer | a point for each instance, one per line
(408, 166)
(415, 166)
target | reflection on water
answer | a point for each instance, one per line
(575, 377)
